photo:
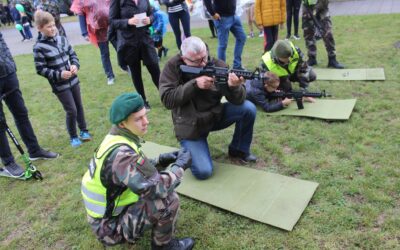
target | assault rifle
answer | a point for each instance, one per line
(220, 74)
(319, 29)
(298, 96)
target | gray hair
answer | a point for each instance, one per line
(192, 44)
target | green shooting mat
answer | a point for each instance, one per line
(350, 74)
(269, 198)
(321, 109)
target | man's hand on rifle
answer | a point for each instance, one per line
(234, 81)
(204, 82)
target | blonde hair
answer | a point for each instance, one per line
(272, 79)
(42, 18)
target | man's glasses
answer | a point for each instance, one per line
(198, 61)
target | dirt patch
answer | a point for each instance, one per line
(355, 198)
(295, 174)
(287, 150)
(379, 222)
(22, 230)
(61, 244)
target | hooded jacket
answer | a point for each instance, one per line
(270, 13)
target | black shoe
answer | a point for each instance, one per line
(175, 244)
(334, 64)
(165, 52)
(14, 170)
(312, 61)
(147, 106)
(243, 157)
(43, 154)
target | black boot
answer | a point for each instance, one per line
(312, 60)
(175, 244)
(334, 64)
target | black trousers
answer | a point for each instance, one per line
(16, 105)
(134, 57)
(292, 10)
(72, 103)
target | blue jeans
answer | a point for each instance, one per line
(16, 105)
(27, 31)
(105, 59)
(223, 26)
(174, 18)
(244, 116)
(82, 24)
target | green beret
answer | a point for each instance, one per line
(124, 105)
(282, 49)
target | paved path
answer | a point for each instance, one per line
(360, 7)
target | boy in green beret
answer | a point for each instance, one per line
(124, 192)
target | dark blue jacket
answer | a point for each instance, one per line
(15, 15)
(256, 93)
(7, 64)
(222, 7)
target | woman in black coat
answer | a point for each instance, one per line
(134, 43)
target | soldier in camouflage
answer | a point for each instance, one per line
(53, 8)
(319, 23)
(126, 193)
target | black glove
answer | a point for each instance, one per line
(184, 159)
(165, 159)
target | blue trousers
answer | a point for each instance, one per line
(234, 25)
(82, 25)
(105, 59)
(16, 105)
(174, 18)
(243, 116)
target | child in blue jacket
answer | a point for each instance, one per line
(159, 29)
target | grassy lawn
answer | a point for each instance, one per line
(356, 162)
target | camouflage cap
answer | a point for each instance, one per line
(124, 105)
(282, 49)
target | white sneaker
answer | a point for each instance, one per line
(296, 37)
(261, 34)
(110, 81)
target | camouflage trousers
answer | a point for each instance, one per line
(159, 215)
(303, 79)
(322, 17)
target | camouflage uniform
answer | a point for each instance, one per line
(157, 207)
(53, 8)
(322, 15)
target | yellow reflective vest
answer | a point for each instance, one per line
(93, 191)
(278, 69)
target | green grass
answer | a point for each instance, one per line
(356, 162)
